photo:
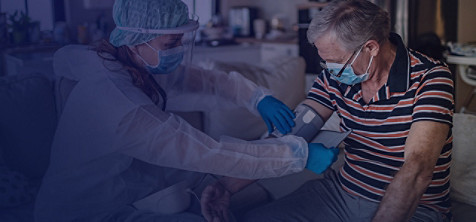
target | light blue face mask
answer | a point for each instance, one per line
(344, 73)
(167, 60)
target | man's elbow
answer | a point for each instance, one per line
(421, 173)
(424, 179)
(424, 175)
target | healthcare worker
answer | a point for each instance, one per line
(117, 141)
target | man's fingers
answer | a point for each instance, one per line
(216, 219)
(206, 195)
(207, 207)
(214, 204)
(206, 211)
(224, 212)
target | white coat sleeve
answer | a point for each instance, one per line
(200, 89)
(160, 138)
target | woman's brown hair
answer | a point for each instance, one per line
(140, 77)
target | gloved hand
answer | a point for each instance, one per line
(320, 158)
(276, 113)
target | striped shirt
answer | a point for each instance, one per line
(418, 88)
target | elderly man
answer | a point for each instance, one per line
(398, 104)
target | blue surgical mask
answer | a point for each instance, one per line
(167, 60)
(348, 75)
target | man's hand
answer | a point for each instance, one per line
(215, 202)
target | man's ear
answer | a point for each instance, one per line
(373, 47)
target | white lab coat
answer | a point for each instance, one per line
(113, 146)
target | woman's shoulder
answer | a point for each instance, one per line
(74, 52)
(81, 61)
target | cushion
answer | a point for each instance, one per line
(27, 122)
(463, 168)
(285, 76)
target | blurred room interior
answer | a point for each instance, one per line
(231, 30)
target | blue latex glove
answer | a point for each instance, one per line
(275, 113)
(320, 158)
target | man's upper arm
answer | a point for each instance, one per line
(319, 98)
(424, 144)
(323, 111)
(432, 117)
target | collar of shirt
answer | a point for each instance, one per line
(399, 77)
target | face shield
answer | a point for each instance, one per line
(174, 48)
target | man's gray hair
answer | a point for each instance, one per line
(353, 23)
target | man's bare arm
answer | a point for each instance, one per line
(422, 149)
